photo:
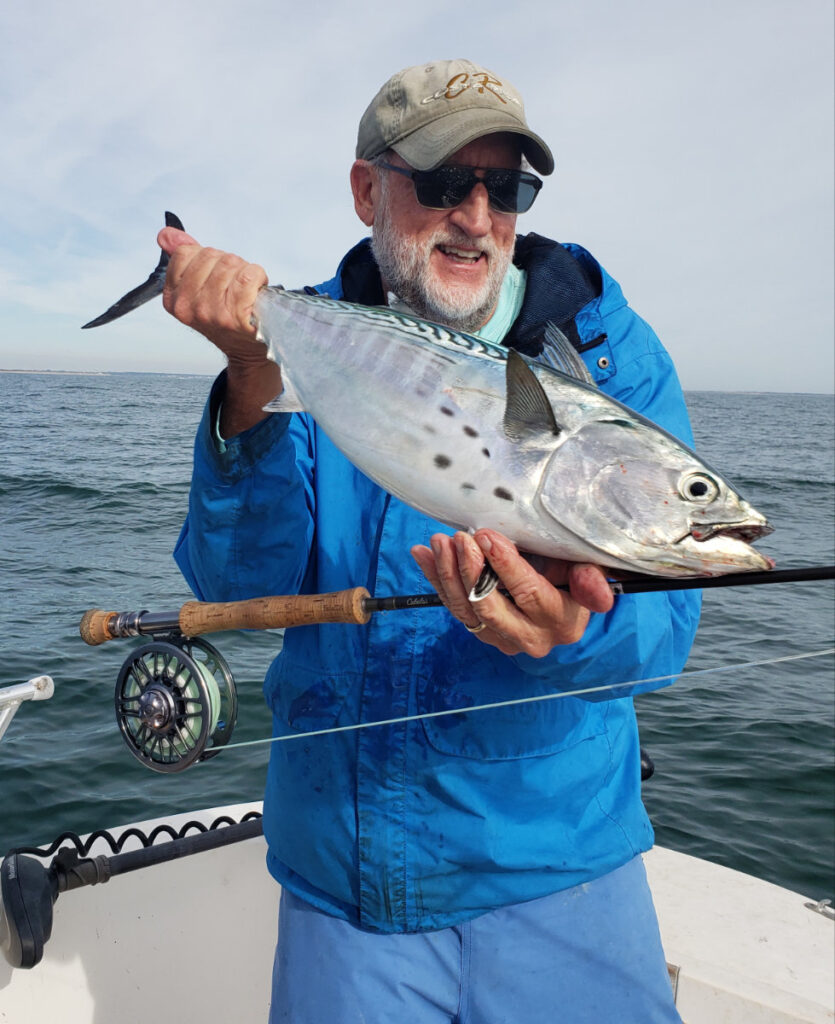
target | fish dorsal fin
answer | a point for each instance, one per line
(527, 410)
(559, 354)
(288, 400)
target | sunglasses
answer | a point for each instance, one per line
(448, 186)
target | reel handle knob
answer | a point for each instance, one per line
(94, 627)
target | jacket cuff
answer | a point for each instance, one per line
(235, 457)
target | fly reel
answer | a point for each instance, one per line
(176, 703)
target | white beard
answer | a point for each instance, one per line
(405, 267)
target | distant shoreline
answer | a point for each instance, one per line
(185, 373)
(108, 373)
(64, 373)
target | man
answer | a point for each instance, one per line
(475, 868)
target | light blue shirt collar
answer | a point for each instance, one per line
(507, 308)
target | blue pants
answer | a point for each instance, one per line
(589, 955)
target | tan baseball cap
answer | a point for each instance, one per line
(428, 112)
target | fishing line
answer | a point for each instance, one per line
(683, 676)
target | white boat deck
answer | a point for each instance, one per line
(745, 950)
(193, 940)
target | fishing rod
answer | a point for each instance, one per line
(357, 606)
(175, 696)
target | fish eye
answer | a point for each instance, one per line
(698, 487)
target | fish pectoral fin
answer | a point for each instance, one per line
(146, 291)
(288, 400)
(528, 411)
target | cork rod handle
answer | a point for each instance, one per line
(275, 612)
(195, 617)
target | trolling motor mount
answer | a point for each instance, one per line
(176, 702)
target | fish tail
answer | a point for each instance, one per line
(144, 292)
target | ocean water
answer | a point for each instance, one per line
(94, 476)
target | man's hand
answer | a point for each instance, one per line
(214, 292)
(539, 617)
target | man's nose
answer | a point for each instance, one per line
(473, 215)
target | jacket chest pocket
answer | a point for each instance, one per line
(470, 727)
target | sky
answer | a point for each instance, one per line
(693, 142)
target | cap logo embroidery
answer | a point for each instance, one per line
(480, 81)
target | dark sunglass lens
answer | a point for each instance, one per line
(511, 191)
(526, 195)
(502, 190)
(454, 184)
(526, 187)
(443, 188)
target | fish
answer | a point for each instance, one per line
(474, 434)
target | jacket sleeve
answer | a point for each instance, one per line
(645, 636)
(249, 527)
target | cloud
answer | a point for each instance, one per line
(693, 142)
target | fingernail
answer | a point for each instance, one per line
(484, 543)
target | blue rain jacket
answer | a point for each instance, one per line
(417, 825)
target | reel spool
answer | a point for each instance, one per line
(176, 703)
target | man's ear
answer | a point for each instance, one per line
(364, 186)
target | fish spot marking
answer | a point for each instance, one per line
(445, 409)
(470, 431)
(486, 452)
(468, 487)
(503, 493)
(442, 461)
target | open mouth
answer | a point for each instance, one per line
(461, 255)
(746, 532)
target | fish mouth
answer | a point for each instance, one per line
(717, 548)
(746, 532)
